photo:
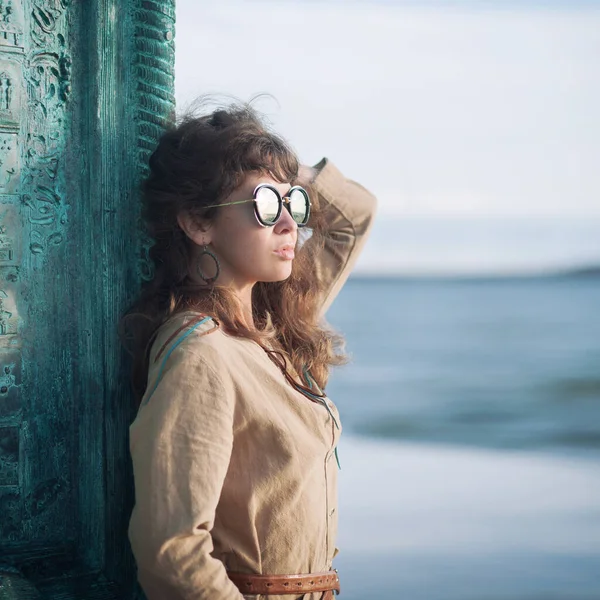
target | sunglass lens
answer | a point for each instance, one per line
(299, 206)
(267, 205)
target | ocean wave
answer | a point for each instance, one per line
(570, 389)
(478, 430)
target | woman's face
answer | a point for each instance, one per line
(248, 252)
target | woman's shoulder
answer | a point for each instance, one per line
(184, 360)
(186, 333)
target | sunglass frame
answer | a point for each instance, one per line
(281, 202)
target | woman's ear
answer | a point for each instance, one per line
(197, 230)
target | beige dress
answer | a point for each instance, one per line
(234, 468)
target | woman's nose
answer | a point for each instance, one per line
(286, 221)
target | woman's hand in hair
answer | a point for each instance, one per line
(306, 175)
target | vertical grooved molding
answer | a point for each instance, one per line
(144, 107)
(155, 59)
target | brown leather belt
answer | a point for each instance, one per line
(326, 581)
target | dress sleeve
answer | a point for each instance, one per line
(347, 210)
(180, 445)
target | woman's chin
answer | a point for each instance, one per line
(280, 274)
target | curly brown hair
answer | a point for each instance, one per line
(198, 162)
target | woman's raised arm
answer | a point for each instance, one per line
(348, 210)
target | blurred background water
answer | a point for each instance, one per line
(471, 416)
(509, 363)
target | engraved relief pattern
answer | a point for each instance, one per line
(46, 17)
(10, 105)
(35, 79)
(10, 259)
(11, 92)
(48, 78)
(9, 163)
(11, 23)
(10, 381)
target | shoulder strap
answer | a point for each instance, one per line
(189, 329)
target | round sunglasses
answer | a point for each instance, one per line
(268, 204)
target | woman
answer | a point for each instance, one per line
(234, 444)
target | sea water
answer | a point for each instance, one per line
(471, 448)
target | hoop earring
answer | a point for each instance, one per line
(208, 280)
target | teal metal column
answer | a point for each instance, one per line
(85, 90)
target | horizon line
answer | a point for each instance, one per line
(550, 273)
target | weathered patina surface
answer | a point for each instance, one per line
(85, 90)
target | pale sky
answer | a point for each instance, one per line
(477, 128)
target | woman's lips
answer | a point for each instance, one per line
(287, 252)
